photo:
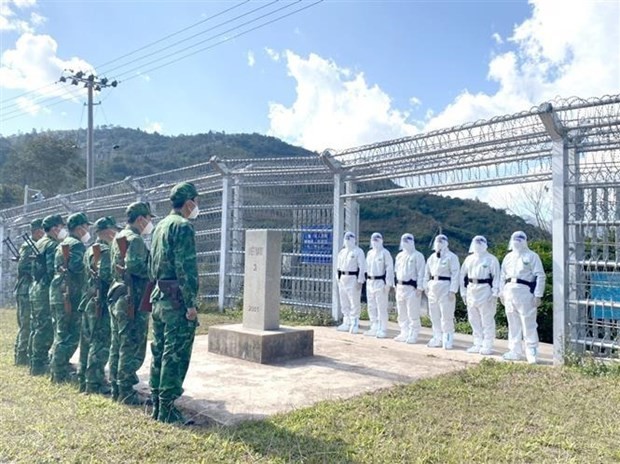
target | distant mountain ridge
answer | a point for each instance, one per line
(120, 152)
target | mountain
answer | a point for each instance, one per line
(120, 152)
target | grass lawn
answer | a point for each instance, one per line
(495, 412)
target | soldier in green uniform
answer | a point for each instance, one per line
(95, 332)
(66, 293)
(174, 270)
(129, 325)
(41, 324)
(24, 280)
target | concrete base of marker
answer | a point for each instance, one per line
(261, 346)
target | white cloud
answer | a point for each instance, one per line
(28, 105)
(271, 53)
(497, 38)
(153, 126)
(569, 51)
(10, 20)
(251, 58)
(33, 65)
(335, 108)
(415, 102)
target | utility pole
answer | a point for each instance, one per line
(92, 83)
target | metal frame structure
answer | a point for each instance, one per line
(574, 143)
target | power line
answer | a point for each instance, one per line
(225, 40)
(194, 36)
(211, 38)
(171, 35)
(17, 112)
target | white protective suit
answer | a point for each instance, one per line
(380, 278)
(441, 282)
(409, 271)
(351, 276)
(520, 299)
(480, 277)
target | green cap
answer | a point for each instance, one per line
(107, 222)
(36, 224)
(182, 192)
(76, 220)
(139, 208)
(52, 220)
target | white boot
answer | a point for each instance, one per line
(372, 332)
(530, 355)
(434, 342)
(345, 326)
(448, 339)
(487, 348)
(474, 349)
(401, 337)
(381, 332)
(511, 356)
(355, 326)
(412, 337)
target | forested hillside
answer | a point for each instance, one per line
(54, 162)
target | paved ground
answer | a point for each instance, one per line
(227, 390)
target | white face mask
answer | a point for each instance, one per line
(439, 245)
(147, 229)
(479, 248)
(62, 234)
(194, 213)
(518, 245)
(85, 238)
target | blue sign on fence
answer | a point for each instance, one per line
(316, 245)
(605, 288)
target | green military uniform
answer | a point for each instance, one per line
(22, 289)
(41, 323)
(173, 267)
(129, 332)
(65, 295)
(95, 332)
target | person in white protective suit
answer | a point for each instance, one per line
(441, 282)
(409, 270)
(522, 286)
(379, 280)
(351, 276)
(480, 277)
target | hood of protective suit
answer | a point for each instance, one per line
(440, 244)
(376, 241)
(478, 245)
(407, 243)
(349, 241)
(518, 242)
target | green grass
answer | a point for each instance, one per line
(495, 412)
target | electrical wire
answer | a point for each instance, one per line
(193, 36)
(52, 101)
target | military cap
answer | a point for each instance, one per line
(76, 220)
(182, 192)
(52, 220)
(36, 224)
(139, 208)
(107, 222)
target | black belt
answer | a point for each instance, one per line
(478, 281)
(411, 282)
(440, 278)
(381, 277)
(531, 285)
(341, 273)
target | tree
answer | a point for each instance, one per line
(534, 203)
(47, 163)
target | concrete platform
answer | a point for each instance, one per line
(224, 390)
(261, 346)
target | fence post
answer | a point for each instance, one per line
(559, 175)
(2, 283)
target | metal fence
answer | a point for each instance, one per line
(312, 200)
(294, 195)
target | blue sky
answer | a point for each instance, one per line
(338, 74)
